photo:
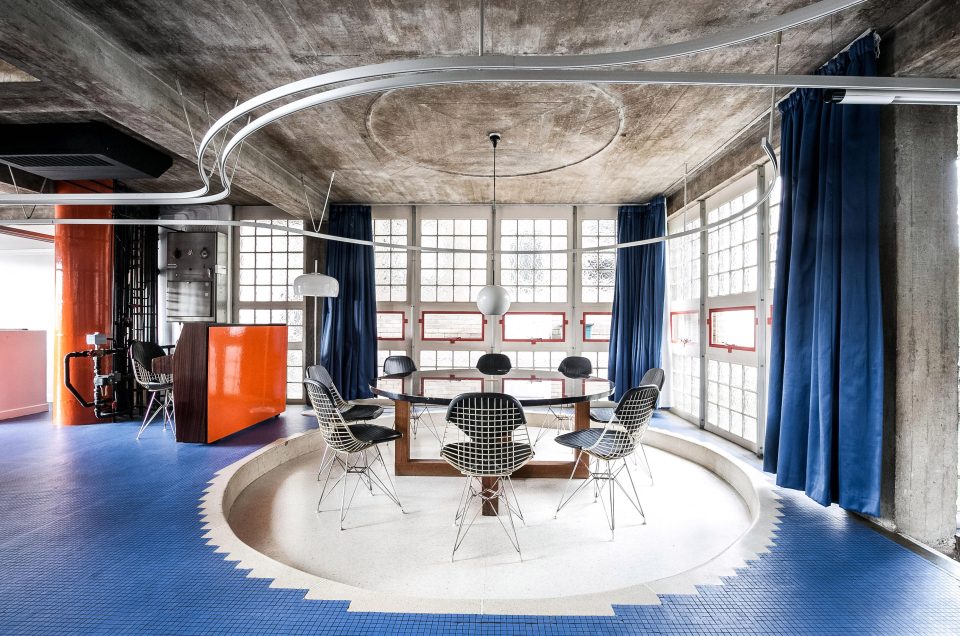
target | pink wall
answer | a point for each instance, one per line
(23, 373)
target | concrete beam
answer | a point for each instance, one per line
(68, 51)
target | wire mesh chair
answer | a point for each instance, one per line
(404, 365)
(350, 412)
(494, 364)
(354, 448)
(607, 450)
(562, 414)
(655, 376)
(159, 385)
(486, 438)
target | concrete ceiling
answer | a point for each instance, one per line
(576, 144)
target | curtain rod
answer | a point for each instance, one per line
(673, 187)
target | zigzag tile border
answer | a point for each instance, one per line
(753, 487)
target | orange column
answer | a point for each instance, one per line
(83, 256)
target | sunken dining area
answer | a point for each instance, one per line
(479, 317)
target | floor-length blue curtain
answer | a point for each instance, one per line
(825, 396)
(637, 324)
(348, 344)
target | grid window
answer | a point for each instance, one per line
(599, 360)
(732, 249)
(391, 264)
(389, 385)
(538, 360)
(598, 269)
(390, 325)
(539, 278)
(686, 382)
(459, 359)
(269, 261)
(684, 259)
(452, 326)
(732, 398)
(684, 326)
(447, 277)
(596, 326)
(531, 327)
(773, 230)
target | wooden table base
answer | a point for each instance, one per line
(404, 465)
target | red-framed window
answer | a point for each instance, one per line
(534, 387)
(534, 326)
(733, 328)
(596, 326)
(684, 326)
(450, 386)
(453, 326)
(391, 325)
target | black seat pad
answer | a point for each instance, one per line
(601, 414)
(373, 433)
(476, 458)
(158, 386)
(358, 412)
(613, 441)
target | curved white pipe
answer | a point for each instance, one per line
(445, 64)
(765, 144)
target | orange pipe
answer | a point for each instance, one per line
(83, 257)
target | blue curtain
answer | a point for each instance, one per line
(637, 324)
(824, 411)
(348, 345)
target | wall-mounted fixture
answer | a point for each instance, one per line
(883, 98)
(197, 277)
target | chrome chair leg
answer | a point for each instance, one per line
(497, 491)
(646, 463)
(588, 480)
(516, 500)
(147, 417)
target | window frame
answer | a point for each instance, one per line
(403, 325)
(583, 324)
(534, 341)
(726, 346)
(423, 325)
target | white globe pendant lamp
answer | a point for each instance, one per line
(494, 300)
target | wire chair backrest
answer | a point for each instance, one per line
(486, 416)
(635, 409)
(624, 432)
(486, 434)
(141, 357)
(332, 426)
(653, 376)
(494, 364)
(576, 367)
(399, 364)
(319, 373)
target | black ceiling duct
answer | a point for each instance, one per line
(89, 150)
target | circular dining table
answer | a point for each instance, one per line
(530, 386)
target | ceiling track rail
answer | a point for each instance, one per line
(559, 69)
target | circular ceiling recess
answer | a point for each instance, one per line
(544, 127)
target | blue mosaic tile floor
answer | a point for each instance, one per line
(100, 534)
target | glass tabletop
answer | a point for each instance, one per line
(531, 387)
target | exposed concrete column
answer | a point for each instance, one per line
(919, 247)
